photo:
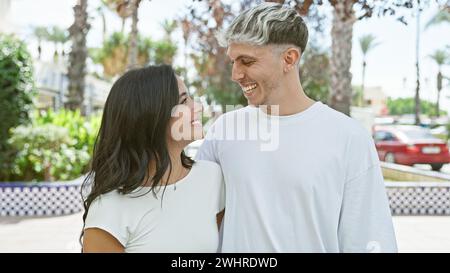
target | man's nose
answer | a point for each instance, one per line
(236, 73)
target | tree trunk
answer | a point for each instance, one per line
(361, 102)
(77, 57)
(55, 53)
(122, 29)
(439, 87)
(104, 27)
(132, 49)
(341, 78)
(39, 50)
(417, 95)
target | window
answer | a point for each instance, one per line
(384, 136)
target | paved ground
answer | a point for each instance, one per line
(40, 234)
(423, 233)
(60, 234)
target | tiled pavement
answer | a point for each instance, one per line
(60, 234)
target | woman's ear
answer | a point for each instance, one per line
(291, 58)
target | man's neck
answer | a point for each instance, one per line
(293, 101)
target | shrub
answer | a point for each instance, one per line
(82, 129)
(56, 146)
(46, 152)
(16, 94)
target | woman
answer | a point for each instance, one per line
(146, 195)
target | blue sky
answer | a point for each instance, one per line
(391, 65)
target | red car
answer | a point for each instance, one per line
(409, 145)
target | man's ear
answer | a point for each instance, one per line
(291, 58)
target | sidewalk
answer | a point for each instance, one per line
(40, 234)
(60, 234)
(423, 233)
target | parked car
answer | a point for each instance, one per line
(409, 145)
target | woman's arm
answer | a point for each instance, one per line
(219, 218)
(99, 240)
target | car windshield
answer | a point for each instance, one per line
(418, 134)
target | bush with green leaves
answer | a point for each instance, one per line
(16, 94)
(402, 106)
(448, 131)
(83, 130)
(56, 146)
(46, 153)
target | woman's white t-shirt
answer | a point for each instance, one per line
(184, 220)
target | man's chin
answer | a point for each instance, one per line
(252, 101)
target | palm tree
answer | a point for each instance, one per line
(441, 58)
(133, 48)
(125, 9)
(77, 57)
(59, 37)
(100, 11)
(367, 43)
(341, 33)
(169, 27)
(417, 94)
(40, 33)
(443, 15)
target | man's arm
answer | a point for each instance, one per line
(365, 223)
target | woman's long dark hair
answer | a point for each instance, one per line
(133, 133)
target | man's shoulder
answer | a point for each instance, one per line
(341, 122)
(206, 166)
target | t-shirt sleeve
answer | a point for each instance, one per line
(102, 215)
(221, 203)
(365, 223)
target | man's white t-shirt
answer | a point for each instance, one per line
(312, 184)
(184, 220)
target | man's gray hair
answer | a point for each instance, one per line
(265, 24)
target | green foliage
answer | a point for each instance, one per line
(448, 131)
(83, 130)
(46, 152)
(16, 93)
(113, 55)
(56, 146)
(41, 33)
(357, 94)
(117, 39)
(164, 52)
(402, 106)
(315, 73)
(57, 35)
(213, 81)
(367, 43)
(230, 95)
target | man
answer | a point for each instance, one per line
(317, 186)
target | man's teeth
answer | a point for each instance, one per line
(249, 88)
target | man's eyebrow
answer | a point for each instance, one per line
(244, 56)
